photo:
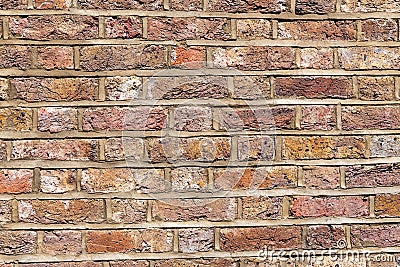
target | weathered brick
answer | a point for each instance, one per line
(5, 211)
(387, 205)
(242, 239)
(149, 240)
(372, 175)
(124, 118)
(314, 87)
(15, 181)
(67, 149)
(196, 263)
(251, 87)
(379, 30)
(316, 58)
(323, 147)
(348, 206)
(55, 89)
(250, 29)
(315, 6)
(125, 148)
(123, 27)
(121, 4)
(4, 89)
(192, 119)
(123, 88)
(255, 178)
(368, 6)
(55, 57)
(62, 242)
(356, 58)
(317, 30)
(51, 27)
(13, 4)
(256, 148)
(17, 242)
(61, 211)
(140, 263)
(325, 236)
(370, 117)
(128, 210)
(247, 58)
(189, 179)
(15, 56)
(54, 120)
(52, 4)
(64, 264)
(196, 240)
(122, 57)
(186, 5)
(223, 209)
(267, 6)
(321, 177)
(173, 149)
(318, 117)
(262, 208)
(3, 151)
(385, 146)
(15, 119)
(188, 28)
(376, 88)
(58, 181)
(192, 57)
(375, 235)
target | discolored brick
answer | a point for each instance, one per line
(196, 240)
(325, 236)
(316, 58)
(370, 117)
(128, 210)
(318, 118)
(321, 177)
(121, 4)
(375, 235)
(4, 89)
(58, 181)
(16, 119)
(52, 4)
(192, 118)
(251, 87)
(17, 242)
(62, 242)
(364, 58)
(252, 29)
(13, 4)
(186, 5)
(125, 148)
(189, 179)
(367, 6)
(385, 146)
(123, 88)
(256, 148)
(262, 208)
(376, 88)
(387, 205)
(5, 211)
(216, 262)
(56, 120)
(268, 6)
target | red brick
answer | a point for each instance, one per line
(314, 87)
(318, 117)
(13, 4)
(267, 6)
(128, 210)
(250, 29)
(194, 209)
(251, 87)
(188, 29)
(262, 208)
(348, 206)
(55, 57)
(375, 236)
(4, 89)
(325, 236)
(52, 4)
(15, 56)
(149, 240)
(61, 211)
(52, 27)
(58, 181)
(375, 6)
(193, 57)
(316, 58)
(140, 263)
(123, 27)
(123, 88)
(315, 6)
(15, 181)
(373, 175)
(67, 149)
(196, 263)
(321, 177)
(189, 179)
(379, 30)
(121, 4)
(62, 242)
(363, 58)
(15, 119)
(5, 211)
(370, 117)
(17, 242)
(126, 148)
(196, 240)
(186, 5)
(256, 148)
(55, 89)
(242, 239)
(247, 58)
(376, 88)
(317, 30)
(122, 57)
(387, 205)
(56, 120)
(192, 119)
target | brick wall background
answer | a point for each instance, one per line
(198, 132)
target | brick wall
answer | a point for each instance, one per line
(198, 132)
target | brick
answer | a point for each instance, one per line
(196, 240)
(128, 210)
(52, 4)
(323, 147)
(365, 6)
(378, 30)
(123, 88)
(122, 180)
(193, 57)
(233, 6)
(5, 211)
(55, 57)
(14, 181)
(257, 118)
(68, 149)
(188, 29)
(186, 5)
(387, 205)
(325, 236)
(376, 88)
(51, 27)
(64, 264)
(363, 58)
(315, 6)
(4, 89)
(205, 149)
(61, 211)
(58, 181)
(15, 119)
(321, 177)
(122, 57)
(256, 148)
(313, 87)
(385, 146)
(56, 120)
(17, 242)
(192, 119)
(189, 179)
(15, 56)
(13, 4)
(187, 87)
(121, 4)
(370, 117)
(3, 151)
(255, 178)
(62, 242)
(149, 240)
(124, 118)
(247, 58)
(253, 29)
(55, 89)
(139, 263)
(317, 30)
(251, 87)
(348, 206)
(123, 27)
(242, 239)
(316, 58)
(175, 210)
(262, 208)
(318, 118)
(375, 236)
(196, 263)
(372, 175)
(126, 148)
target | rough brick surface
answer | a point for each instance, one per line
(16, 181)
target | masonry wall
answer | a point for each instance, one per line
(197, 133)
